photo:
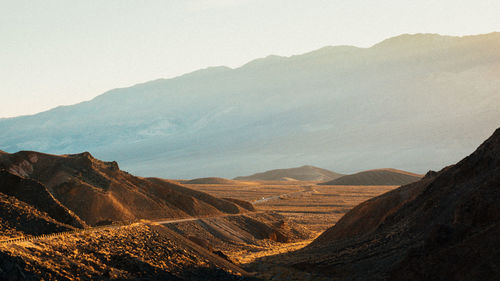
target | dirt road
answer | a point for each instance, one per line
(306, 188)
(99, 228)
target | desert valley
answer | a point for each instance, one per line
(367, 152)
(76, 217)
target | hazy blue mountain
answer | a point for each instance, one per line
(413, 102)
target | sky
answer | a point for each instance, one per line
(60, 52)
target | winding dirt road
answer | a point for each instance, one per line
(306, 188)
(99, 228)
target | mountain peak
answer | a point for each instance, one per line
(415, 40)
(268, 60)
(206, 71)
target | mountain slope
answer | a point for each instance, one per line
(19, 219)
(445, 225)
(134, 252)
(36, 195)
(304, 173)
(417, 102)
(99, 191)
(376, 177)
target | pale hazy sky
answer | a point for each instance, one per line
(64, 52)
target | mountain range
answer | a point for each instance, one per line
(415, 102)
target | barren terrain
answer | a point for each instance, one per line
(138, 251)
(43, 198)
(316, 207)
(306, 204)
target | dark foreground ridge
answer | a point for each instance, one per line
(443, 227)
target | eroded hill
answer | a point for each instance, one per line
(376, 177)
(303, 173)
(98, 191)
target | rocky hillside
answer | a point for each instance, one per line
(304, 173)
(38, 196)
(377, 177)
(135, 252)
(18, 219)
(98, 191)
(446, 225)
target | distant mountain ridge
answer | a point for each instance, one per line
(303, 173)
(376, 177)
(416, 102)
(210, 180)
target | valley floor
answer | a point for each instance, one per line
(310, 206)
(316, 207)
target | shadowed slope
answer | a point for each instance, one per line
(376, 177)
(35, 194)
(445, 225)
(20, 219)
(99, 191)
(304, 173)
